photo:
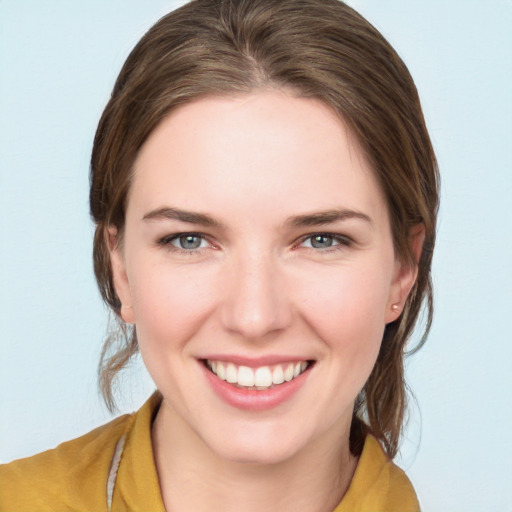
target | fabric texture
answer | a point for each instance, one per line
(74, 476)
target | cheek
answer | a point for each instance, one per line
(347, 311)
(170, 303)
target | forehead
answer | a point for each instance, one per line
(259, 149)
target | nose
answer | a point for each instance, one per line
(256, 300)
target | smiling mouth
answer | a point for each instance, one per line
(261, 378)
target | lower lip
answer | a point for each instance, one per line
(253, 399)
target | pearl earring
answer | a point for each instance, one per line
(396, 307)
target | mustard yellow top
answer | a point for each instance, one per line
(75, 475)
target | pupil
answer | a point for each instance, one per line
(321, 241)
(190, 241)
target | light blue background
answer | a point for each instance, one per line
(58, 62)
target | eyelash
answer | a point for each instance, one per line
(166, 242)
(342, 242)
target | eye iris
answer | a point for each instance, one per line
(321, 241)
(190, 241)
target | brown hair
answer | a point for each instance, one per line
(319, 49)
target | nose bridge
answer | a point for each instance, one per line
(256, 302)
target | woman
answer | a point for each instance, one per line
(265, 195)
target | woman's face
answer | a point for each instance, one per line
(258, 249)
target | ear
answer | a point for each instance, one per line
(120, 277)
(405, 275)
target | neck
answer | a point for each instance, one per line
(192, 477)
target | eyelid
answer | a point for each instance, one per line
(166, 241)
(343, 240)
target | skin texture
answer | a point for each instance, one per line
(256, 287)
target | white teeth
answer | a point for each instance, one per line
(245, 376)
(231, 373)
(259, 378)
(288, 373)
(277, 375)
(263, 377)
(221, 373)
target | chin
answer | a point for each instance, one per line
(257, 446)
(258, 455)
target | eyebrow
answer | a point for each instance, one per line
(326, 217)
(297, 221)
(166, 213)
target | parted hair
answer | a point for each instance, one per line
(319, 49)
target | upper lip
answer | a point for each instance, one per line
(255, 362)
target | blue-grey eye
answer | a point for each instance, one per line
(189, 241)
(321, 241)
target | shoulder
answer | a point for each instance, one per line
(70, 477)
(378, 484)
